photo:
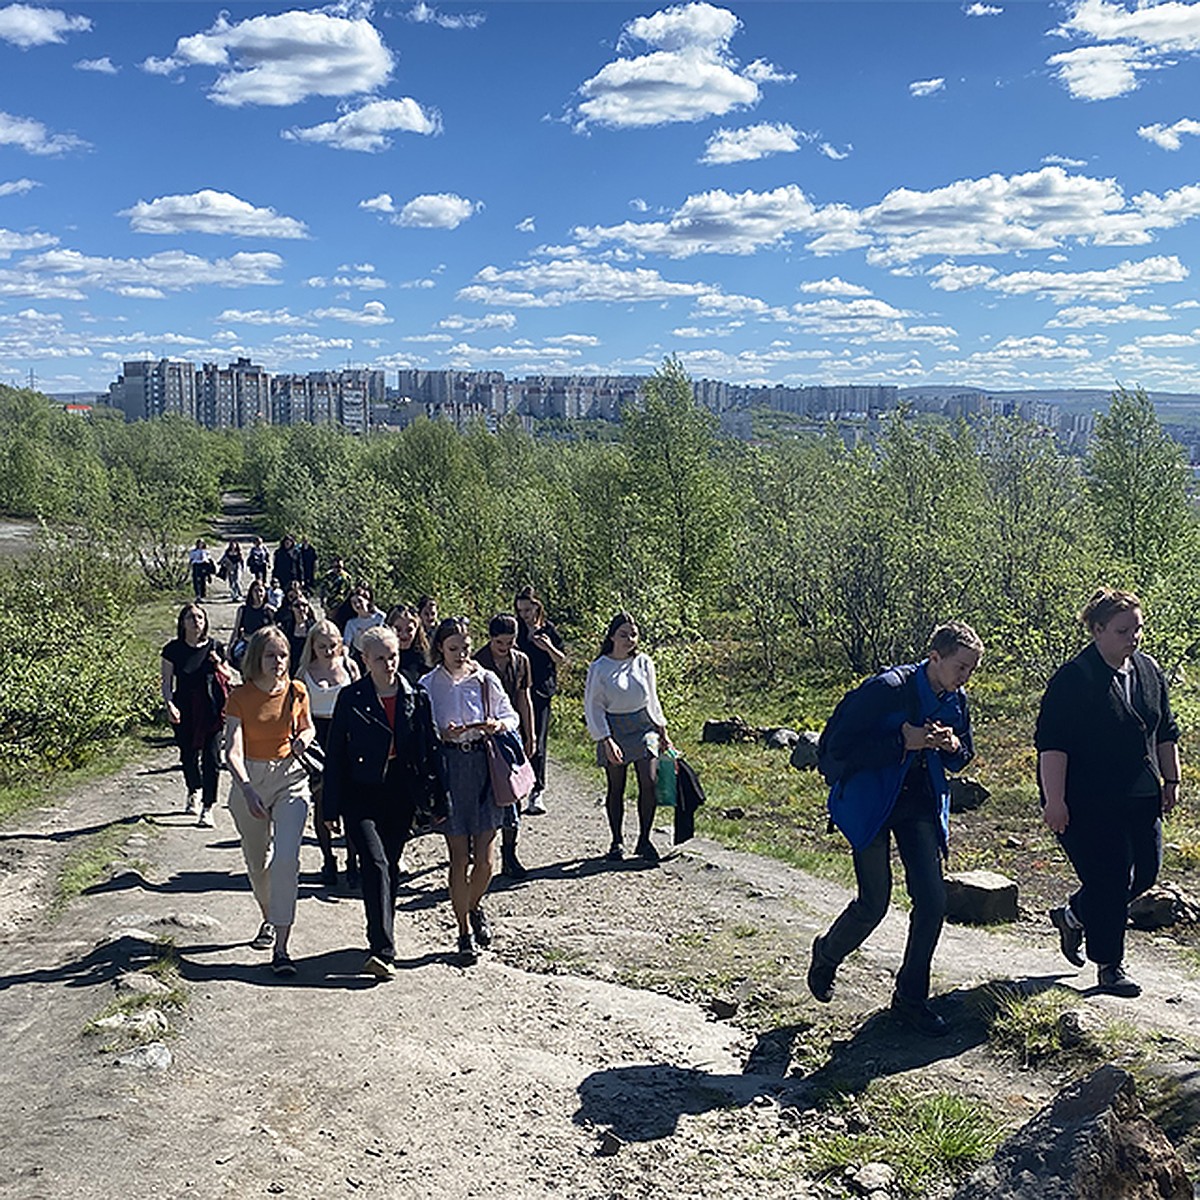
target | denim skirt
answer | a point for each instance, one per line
(470, 788)
(634, 732)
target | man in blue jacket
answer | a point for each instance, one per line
(888, 747)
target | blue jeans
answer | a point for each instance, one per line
(915, 826)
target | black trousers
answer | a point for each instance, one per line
(541, 737)
(200, 764)
(200, 580)
(378, 826)
(1116, 850)
(915, 826)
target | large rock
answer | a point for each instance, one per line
(779, 737)
(980, 897)
(722, 733)
(1163, 906)
(966, 794)
(804, 752)
(1092, 1143)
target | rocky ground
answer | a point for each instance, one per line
(635, 1032)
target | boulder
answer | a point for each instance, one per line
(980, 897)
(1092, 1141)
(966, 794)
(1163, 906)
(722, 733)
(804, 752)
(780, 738)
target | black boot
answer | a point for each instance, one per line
(510, 865)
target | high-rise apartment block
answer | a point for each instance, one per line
(151, 389)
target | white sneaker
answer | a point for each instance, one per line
(535, 807)
(193, 804)
(206, 819)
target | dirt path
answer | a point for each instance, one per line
(500, 1080)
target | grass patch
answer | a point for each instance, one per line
(1046, 1027)
(88, 864)
(165, 968)
(927, 1138)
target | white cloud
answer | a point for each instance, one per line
(259, 316)
(553, 284)
(751, 143)
(426, 14)
(526, 225)
(689, 73)
(522, 355)
(462, 324)
(13, 243)
(639, 205)
(420, 284)
(439, 210)
(100, 66)
(383, 203)
(1168, 341)
(831, 151)
(284, 58)
(1059, 160)
(25, 26)
(366, 128)
(573, 339)
(1168, 136)
(1100, 72)
(362, 277)
(926, 87)
(33, 137)
(834, 286)
(982, 10)
(17, 187)
(1081, 316)
(371, 313)
(208, 211)
(1036, 347)
(1112, 285)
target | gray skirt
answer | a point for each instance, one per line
(470, 788)
(634, 732)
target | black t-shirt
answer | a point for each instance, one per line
(191, 664)
(543, 668)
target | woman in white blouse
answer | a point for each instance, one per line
(469, 703)
(625, 719)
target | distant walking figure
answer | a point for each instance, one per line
(893, 739)
(203, 568)
(1108, 770)
(231, 563)
(538, 638)
(625, 719)
(267, 723)
(258, 559)
(195, 682)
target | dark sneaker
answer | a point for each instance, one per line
(645, 850)
(1115, 982)
(821, 972)
(380, 968)
(1070, 939)
(481, 927)
(282, 966)
(535, 807)
(264, 939)
(510, 864)
(917, 1015)
(616, 852)
(329, 874)
(468, 956)
(353, 882)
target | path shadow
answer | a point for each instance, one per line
(101, 965)
(645, 1102)
(66, 835)
(340, 968)
(179, 884)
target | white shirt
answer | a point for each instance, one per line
(620, 685)
(357, 626)
(198, 555)
(461, 702)
(323, 696)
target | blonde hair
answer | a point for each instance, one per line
(256, 649)
(384, 634)
(320, 629)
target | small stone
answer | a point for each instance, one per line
(966, 794)
(874, 1177)
(277, 1189)
(154, 1056)
(804, 750)
(779, 739)
(147, 1021)
(186, 920)
(609, 1144)
(138, 983)
(722, 1008)
(980, 897)
(734, 814)
(1014, 843)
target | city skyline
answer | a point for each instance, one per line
(972, 194)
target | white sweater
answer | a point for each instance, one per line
(620, 685)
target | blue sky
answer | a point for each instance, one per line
(997, 194)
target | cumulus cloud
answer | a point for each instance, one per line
(438, 210)
(1111, 285)
(462, 324)
(752, 142)
(926, 87)
(383, 203)
(25, 26)
(33, 137)
(1122, 41)
(284, 58)
(687, 74)
(99, 66)
(1083, 315)
(834, 286)
(425, 14)
(259, 316)
(1059, 160)
(982, 10)
(366, 128)
(1168, 137)
(553, 284)
(17, 187)
(573, 339)
(12, 243)
(371, 313)
(526, 225)
(831, 151)
(362, 277)
(208, 211)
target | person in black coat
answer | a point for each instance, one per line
(1108, 770)
(380, 764)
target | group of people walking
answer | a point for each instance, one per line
(406, 709)
(1108, 772)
